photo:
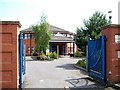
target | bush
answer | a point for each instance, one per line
(78, 54)
(81, 63)
(42, 57)
(50, 59)
(53, 55)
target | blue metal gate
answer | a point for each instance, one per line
(22, 63)
(96, 59)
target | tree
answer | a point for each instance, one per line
(42, 35)
(92, 27)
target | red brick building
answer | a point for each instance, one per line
(62, 41)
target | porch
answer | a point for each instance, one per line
(62, 48)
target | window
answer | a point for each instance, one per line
(25, 36)
(32, 49)
(28, 36)
(29, 50)
(68, 35)
(64, 35)
(118, 54)
(117, 38)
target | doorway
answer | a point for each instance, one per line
(60, 49)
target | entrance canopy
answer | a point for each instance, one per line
(62, 39)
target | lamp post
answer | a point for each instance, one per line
(110, 17)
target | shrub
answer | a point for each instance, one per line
(78, 54)
(50, 59)
(53, 55)
(81, 63)
(42, 57)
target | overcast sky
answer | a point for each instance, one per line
(66, 14)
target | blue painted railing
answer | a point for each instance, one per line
(21, 60)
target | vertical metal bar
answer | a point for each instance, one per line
(64, 49)
(20, 59)
(58, 49)
(88, 59)
(22, 56)
(30, 43)
(103, 59)
(24, 67)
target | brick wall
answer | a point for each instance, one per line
(27, 44)
(112, 48)
(9, 61)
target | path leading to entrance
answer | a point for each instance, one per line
(55, 74)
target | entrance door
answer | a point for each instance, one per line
(60, 49)
(54, 48)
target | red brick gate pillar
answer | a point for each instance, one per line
(9, 31)
(112, 33)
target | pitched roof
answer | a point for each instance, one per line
(27, 30)
(53, 29)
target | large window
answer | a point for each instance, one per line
(25, 36)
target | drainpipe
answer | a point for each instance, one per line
(30, 43)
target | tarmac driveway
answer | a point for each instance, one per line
(56, 74)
